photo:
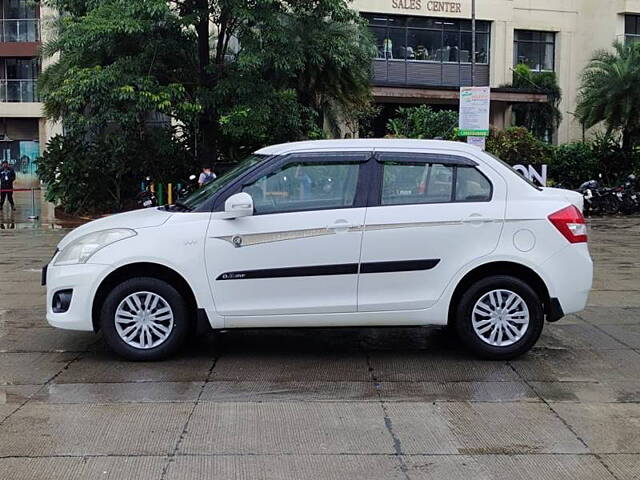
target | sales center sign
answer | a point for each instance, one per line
(429, 6)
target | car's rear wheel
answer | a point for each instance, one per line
(144, 319)
(499, 317)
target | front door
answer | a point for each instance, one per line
(432, 214)
(299, 252)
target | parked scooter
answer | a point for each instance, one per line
(188, 187)
(146, 198)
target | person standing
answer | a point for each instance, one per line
(206, 176)
(7, 177)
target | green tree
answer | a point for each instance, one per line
(610, 92)
(227, 76)
(541, 119)
(424, 122)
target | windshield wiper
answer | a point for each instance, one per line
(184, 206)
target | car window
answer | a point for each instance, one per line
(200, 196)
(405, 183)
(472, 186)
(301, 186)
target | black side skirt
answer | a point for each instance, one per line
(340, 269)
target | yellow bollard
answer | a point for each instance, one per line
(153, 187)
(169, 194)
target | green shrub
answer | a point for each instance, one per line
(517, 145)
(573, 163)
(424, 123)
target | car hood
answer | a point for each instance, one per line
(137, 219)
(570, 196)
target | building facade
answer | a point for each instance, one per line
(23, 127)
(425, 48)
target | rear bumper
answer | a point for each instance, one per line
(569, 277)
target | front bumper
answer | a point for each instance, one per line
(84, 280)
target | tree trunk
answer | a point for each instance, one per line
(207, 152)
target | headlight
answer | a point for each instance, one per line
(81, 249)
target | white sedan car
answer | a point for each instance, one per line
(332, 234)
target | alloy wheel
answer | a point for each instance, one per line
(500, 318)
(144, 320)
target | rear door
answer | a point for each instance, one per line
(430, 214)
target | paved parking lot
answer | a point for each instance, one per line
(403, 403)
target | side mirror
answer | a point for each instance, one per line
(238, 205)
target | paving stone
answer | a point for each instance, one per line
(626, 334)
(480, 429)
(589, 392)
(104, 367)
(82, 468)
(624, 467)
(287, 428)
(292, 366)
(23, 317)
(45, 339)
(543, 467)
(605, 427)
(610, 315)
(109, 393)
(118, 429)
(457, 392)
(577, 337)
(31, 368)
(286, 467)
(269, 391)
(437, 367)
(567, 365)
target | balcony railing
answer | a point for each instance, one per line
(425, 73)
(20, 30)
(18, 91)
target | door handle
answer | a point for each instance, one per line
(477, 219)
(341, 226)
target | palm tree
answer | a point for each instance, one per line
(610, 92)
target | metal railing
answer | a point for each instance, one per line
(20, 30)
(18, 91)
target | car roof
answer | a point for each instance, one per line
(367, 144)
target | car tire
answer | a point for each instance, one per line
(499, 303)
(144, 319)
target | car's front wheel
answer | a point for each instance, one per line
(499, 317)
(144, 318)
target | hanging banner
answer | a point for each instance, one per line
(475, 103)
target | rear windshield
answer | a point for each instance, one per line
(518, 174)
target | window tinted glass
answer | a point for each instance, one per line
(472, 186)
(405, 183)
(305, 186)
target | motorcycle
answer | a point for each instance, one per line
(599, 200)
(629, 197)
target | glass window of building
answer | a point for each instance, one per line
(535, 49)
(428, 39)
(20, 21)
(632, 28)
(18, 79)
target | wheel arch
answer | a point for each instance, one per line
(142, 269)
(513, 269)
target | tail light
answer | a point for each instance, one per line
(570, 222)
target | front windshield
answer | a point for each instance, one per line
(201, 195)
